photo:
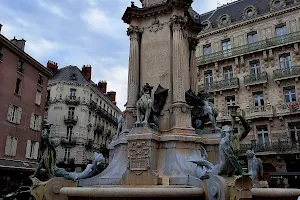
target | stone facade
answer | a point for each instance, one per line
(83, 114)
(251, 59)
(23, 92)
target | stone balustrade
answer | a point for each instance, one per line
(281, 74)
(72, 100)
(259, 111)
(71, 120)
(254, 79)
(70, 141)
(248, 48)
(287, 108)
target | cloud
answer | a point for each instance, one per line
(54, 9)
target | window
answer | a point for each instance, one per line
(1, 54)
(71, 112)
(32, 149)
(11, 146)
(90, 115)
(258, 98)
(69, 132)
(21, 67)
(35, 122)
(294, 129)
(277, 3)
(226, 44)
(285, 61)
(67, 154)
(72, 93)
(255, 67)
(230, 101)
(289, 94)
(207, 49)
(263, 135)
(48, 95)
(281, 30)
(18, 86)
(40, 79)
(38, 97)
(252, 37)
(46, 114)
(208, 78)
(227, 73)
(250, 13)
(14, 114)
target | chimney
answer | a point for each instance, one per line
(19, 43)
(87, 71)
(102, 86)
(52, 66)
(112, 96)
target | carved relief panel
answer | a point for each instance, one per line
(139, 155)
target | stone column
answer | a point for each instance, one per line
(193, 42)
(181, 112)
(133, 73)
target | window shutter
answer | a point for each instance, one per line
(15, 145)
(9, 112)
(32, 121)
(36, 150)
(28, 147)
(39, 123)
(19, 115)
(7, 145)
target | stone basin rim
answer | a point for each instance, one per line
(131, 191)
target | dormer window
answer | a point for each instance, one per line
(206, 25)
(249, 12)
(74, 76)
(275, 4)
(224, 20)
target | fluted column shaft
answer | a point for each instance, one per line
(134, 61)
(180, 63)
(193, 42)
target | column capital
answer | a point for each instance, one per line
(178, 22)
(134, 32)
(193, 43)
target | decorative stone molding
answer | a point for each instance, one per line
(249, 12)
(156, 26)
(134, 32)
(178, 22)
(224, 20)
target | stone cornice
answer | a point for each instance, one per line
(243, 23)
(153, 10)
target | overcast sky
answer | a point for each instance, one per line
(78, 32)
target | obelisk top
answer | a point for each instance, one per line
(149, 3)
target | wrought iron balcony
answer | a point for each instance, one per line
(288, 108)
(281, 74)
(71, 141)
(259, 112)
(92, 105)
(248, 48)
(72, 100)
(71, 120)
(228, 84)
(255, 79)
(279, 146)
(99, 129)
(107, 115)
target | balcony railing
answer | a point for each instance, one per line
(280, 146)
(222, 85)
(107, 115)
(71, 120)
(259, 111)
(288, 108)
(281, 74)
(92, 105)
(254, 79)
(99, 129)
(72, 100)
(256, 46)
(71, 141)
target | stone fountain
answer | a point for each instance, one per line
(156, 152)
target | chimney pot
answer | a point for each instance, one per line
(87, 72)
(19, 43)
(112, 96)
(52, 66)
(102, 85)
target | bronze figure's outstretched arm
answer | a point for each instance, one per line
(246, 126)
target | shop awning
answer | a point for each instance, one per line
(7, 164)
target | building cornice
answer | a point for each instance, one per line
(253, 20)
(134, 12)
(24, 55)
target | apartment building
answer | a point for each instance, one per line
(23, 91)
(83, 115)
(248, 56)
